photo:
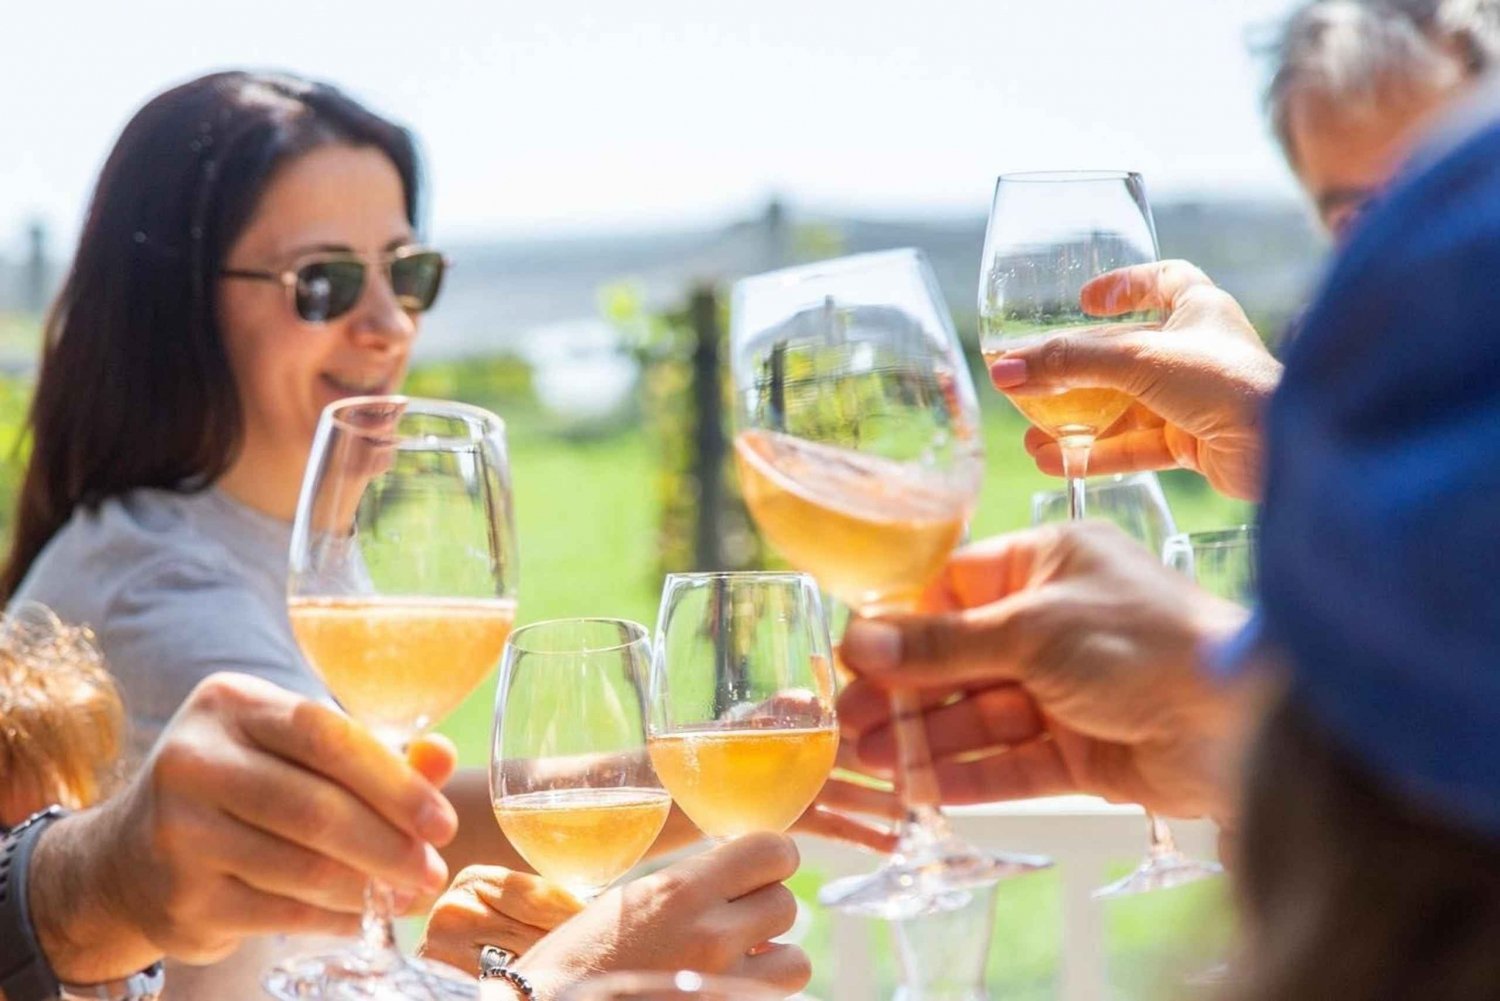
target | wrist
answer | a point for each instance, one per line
(74, 903)
(548, 979)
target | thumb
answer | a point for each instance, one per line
(981, 645)
(1157, 285)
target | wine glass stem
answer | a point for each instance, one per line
(922, 823)
(377, 934)
(1075, 462)
(1161, 836)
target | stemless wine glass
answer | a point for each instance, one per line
(1133, 501)
(401, 593)
(682, 986)
(1049, 235)
(742, 728)
(1222, 561)
(570, 780)
(859, 458)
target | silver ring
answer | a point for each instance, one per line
(493, 959)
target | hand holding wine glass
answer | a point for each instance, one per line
(1049, 236)
(401, 592)
(1199, 385)
(1021, 707)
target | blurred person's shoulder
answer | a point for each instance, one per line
(1474, 115)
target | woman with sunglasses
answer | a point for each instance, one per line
(250, 255)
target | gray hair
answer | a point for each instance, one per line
(1364, 52)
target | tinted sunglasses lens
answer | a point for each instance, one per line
(328, 289)
(417, 278)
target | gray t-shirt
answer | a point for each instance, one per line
(177, 587)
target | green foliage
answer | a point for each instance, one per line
(664, 343)
(500, 382)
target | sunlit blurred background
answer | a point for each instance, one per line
(601, 171)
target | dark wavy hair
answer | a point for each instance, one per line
(135, 388)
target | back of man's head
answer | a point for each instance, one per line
(1355, 81)
(1358, 52)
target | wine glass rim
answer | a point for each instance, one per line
(638, 634)
(412, 404)
(831, 266)
(745, 575)
(1214, 538)
(685, 982)
(1066, 176)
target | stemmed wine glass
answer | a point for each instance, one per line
(742, 728)
(859, 458)
(681, 986)
(1133, 501)
(570, 779)
(1049, 235)
(401, 592)
(1138, 506)
(1221, 561)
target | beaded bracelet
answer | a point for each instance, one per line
(516, 980)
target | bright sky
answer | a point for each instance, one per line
(584, 113)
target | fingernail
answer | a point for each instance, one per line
(436, 821)
(1008, 372)
(871, 645)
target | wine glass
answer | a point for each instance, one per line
(742, 728)
(401, 592)
(681, 986)
(570, 780)
(1133, 501)
(1137, 505)
(1049, 235)
(859, 458)
(1222, 561)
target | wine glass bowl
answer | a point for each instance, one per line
(742, 728)
(1221, 561)
(858, 448)
(681, 986)
(570, 779)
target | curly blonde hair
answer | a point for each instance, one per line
(61, 719)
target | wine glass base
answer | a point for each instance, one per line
(356, 976)
(931, 884)
(1213, 977)
(1160, 872)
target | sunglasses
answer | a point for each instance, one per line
(325, 286)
